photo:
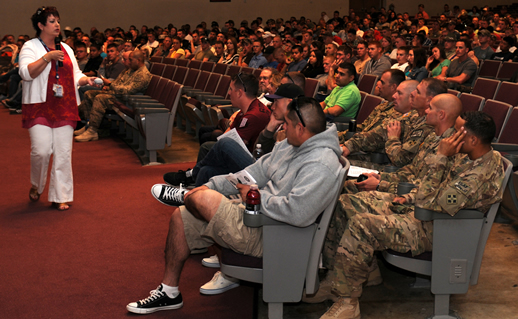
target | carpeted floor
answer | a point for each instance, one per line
(103, 253)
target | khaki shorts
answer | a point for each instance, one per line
(226, 229)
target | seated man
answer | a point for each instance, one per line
(393, 106)
(205, 53)
(402, 59)
(378, 62)
(249, 122)
(81, 55)
(109, 69)
(344, 100)
(475, 183)
(94, 60)
(377, 194)
(226, 156)
(323, 89)
(296, 63)
(164, 48)
(296, 181)
(132, 81)
(399, 139)
(258, 60)
(462, 71)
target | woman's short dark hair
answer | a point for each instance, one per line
(41, 16)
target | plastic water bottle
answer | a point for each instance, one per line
(253, 200)
(258, 152)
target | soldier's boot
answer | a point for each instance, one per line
(344, 308)
(374, 276)
(88, 135)
(324, 293)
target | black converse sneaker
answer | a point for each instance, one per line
(168, 195)
(158, 300)
(177, 178)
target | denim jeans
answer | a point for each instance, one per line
(225, 156)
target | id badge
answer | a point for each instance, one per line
(58, 90)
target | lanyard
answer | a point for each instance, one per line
(48, 50)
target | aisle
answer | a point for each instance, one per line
(106, 251)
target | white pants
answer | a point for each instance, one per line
(47, 141)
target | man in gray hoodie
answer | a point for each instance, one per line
(296, 182)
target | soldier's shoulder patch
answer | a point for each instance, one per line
(417, 133)
(451, 199)
(462, 187)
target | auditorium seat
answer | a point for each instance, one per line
(290, 257)
(458, 247)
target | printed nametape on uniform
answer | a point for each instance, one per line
(462, 187)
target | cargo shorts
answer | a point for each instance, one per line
(226, 229)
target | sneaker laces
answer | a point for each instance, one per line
(173, 193)
(154, 294)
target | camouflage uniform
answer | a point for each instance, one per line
(96, 103)
(400, 151)
(384, 111)
(445, 188)
(379, 202)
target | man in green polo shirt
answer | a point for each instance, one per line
(344, 100)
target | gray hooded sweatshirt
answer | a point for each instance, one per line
(296, 183)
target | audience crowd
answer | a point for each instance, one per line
(416, 57)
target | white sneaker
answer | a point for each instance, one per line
(219, 284)
(211, 262)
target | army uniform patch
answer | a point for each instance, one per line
(417, 133)
(452, 199)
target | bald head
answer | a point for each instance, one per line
(403, 97)
(450, 104)
(443, 112)
(136, 59)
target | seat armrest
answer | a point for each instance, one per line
(216, 100)
(503, 147)
(428, 215)
(191, 92)
(133, 101)
(143, 104)
(230, 109)
(259, 220)
(146, 110)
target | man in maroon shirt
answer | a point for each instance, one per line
(249, 121)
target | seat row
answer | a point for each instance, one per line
(200, 98)
(221, 68)
(148, 119)
(493, 69)
(504, 115)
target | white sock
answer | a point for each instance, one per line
(188, 173)
(172, 292)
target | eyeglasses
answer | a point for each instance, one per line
(295, 105)
(241, 80)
